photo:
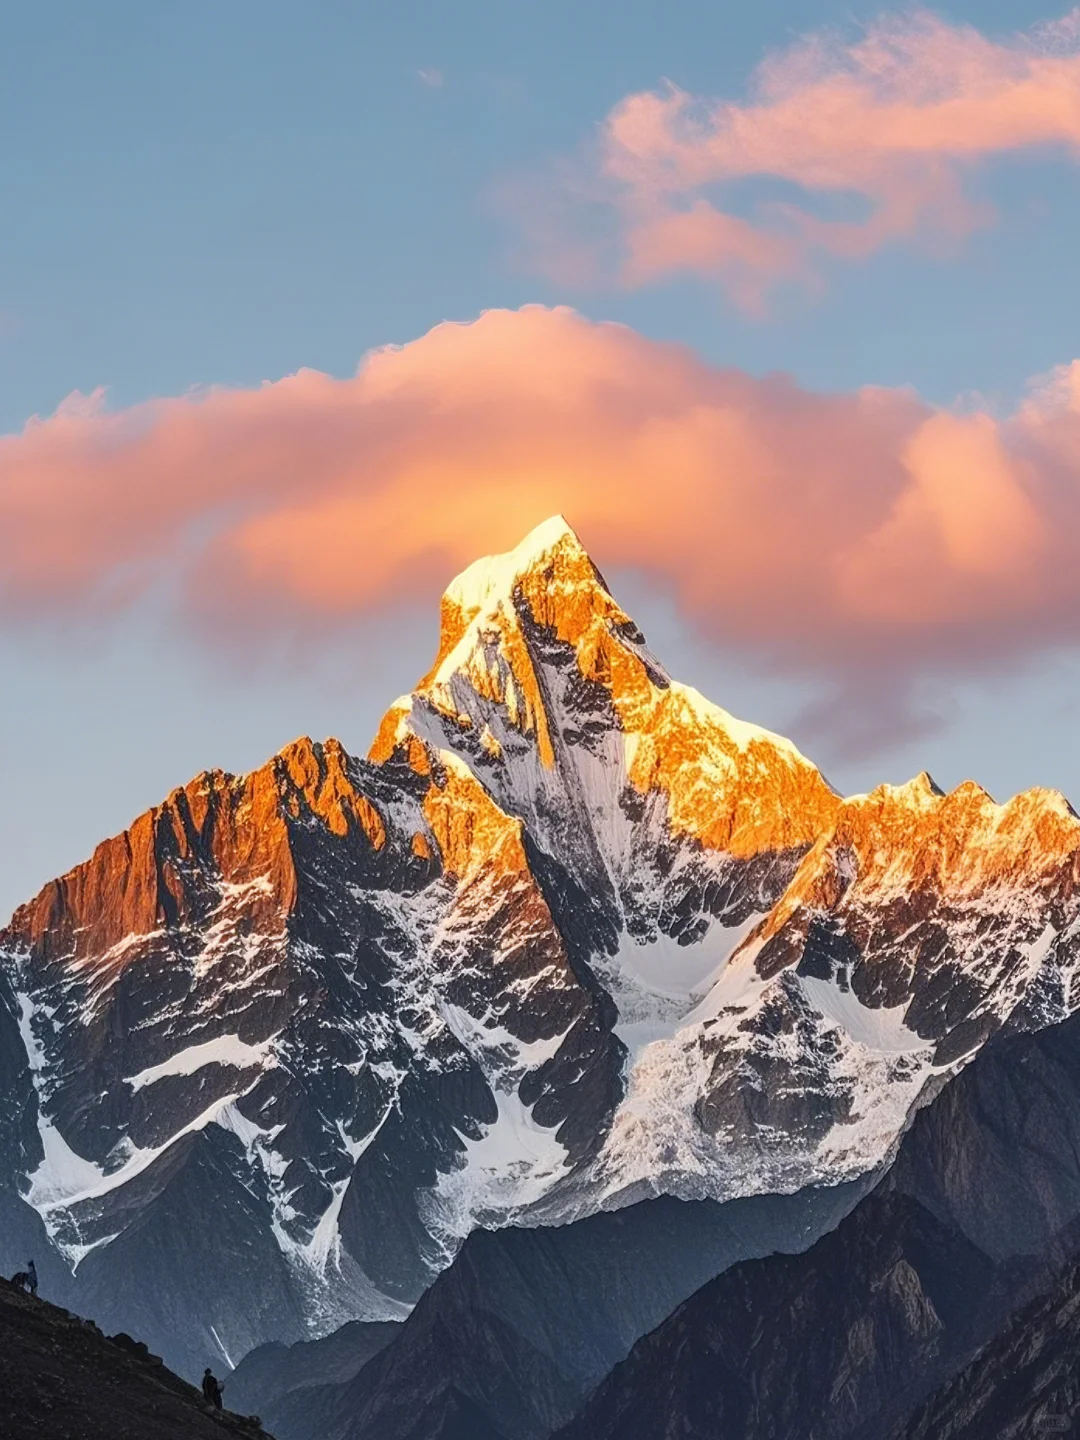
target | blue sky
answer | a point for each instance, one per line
(220, 194)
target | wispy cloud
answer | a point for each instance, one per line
(431, 77)
(852, 147)
(866, 539)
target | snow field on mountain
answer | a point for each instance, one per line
(866, 1054)
(227, 1050)
(510, 1169)
(656, 984)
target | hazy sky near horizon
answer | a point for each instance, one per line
(201, 199)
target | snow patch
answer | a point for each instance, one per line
(881, 1030)
(223, 1050)
(72, 1179)
(515, 1159)
(62, 1173)
(740, 732)
(656, 983)
(35, 1051)
(834, 1046)
(482, 1037)
(221, 1347)
(511, 1167)
(495, 576)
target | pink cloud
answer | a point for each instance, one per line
(894, 124)
(851, 537)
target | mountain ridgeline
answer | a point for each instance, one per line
(568, 939)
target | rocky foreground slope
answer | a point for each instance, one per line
(570, 936)
(62, 1379)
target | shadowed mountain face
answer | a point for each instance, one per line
(525, 1322)
(997, 1154)
(1025, 1382)
(809, 1345)
(569, 937)
(275, 1375)
(61, 1378)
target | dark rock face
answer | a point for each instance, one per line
(62, 1379)
(807, 1345)
(275, 1374)
(996, 1154)
(1025, 1382)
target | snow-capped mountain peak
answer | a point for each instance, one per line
(541, 670)
(569, 934)
(553, 546)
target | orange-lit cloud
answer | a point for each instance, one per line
(851, 147)
(847, 536)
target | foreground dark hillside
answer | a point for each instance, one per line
(62, 1379)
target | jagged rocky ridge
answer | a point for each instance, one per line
(568, 937)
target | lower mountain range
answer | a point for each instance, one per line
(578, 1047)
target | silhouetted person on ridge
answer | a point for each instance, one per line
(31, 1277)
(211, 1388)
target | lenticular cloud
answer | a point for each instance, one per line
(848, 537)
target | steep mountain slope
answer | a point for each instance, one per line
(62, 1379)
(1024, 1382)
(997, 1154)
(840, 1343)
(809, 1345)
(570, 936)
